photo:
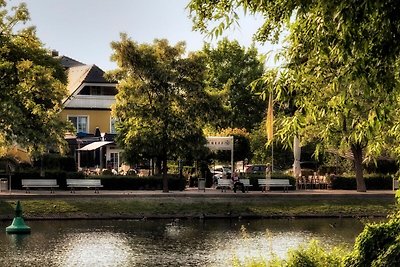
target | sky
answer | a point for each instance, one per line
(84, 29)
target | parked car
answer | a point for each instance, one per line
(220, 172)
(255, 168)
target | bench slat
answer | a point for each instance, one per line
(224, 184)
(267, 183)
(84, 183)
(246, 183)
(39, 183)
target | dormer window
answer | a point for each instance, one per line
(95, 90)
(98, 90)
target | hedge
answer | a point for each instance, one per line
(372, 182)
(112, 182)
(109, 182)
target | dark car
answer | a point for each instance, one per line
(255, 168)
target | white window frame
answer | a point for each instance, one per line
(112, 125)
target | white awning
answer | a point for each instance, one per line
(95, 145)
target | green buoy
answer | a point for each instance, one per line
(18, 225)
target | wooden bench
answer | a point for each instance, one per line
(39, 183)
(246, 184)
(266, 184)
(84, 183)
(224, 184)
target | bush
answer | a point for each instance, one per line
(56, 162)
(115, 182)
(372, 182)
(312, 255)
(377, 245)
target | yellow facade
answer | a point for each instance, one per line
(96, 118)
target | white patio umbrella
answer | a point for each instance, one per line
(296, 155)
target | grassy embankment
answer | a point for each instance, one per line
(97, 207)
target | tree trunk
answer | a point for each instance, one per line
(357, 153)
(164, 175)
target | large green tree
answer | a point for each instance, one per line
(32, 86)
(161, 103)
(342, 68)
(231, 68)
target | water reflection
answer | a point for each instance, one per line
(166, 243)
(100, 249)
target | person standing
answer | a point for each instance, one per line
(268, 171)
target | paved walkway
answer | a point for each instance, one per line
(194, 192)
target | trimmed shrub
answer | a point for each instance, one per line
(372, 182)
(115, 182)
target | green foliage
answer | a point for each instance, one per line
(241, 145)
(161, 99)
(312, 255)
(397, 196)
(230, 70)
(342, 69)
(377, 245)
(372, 181)
(32, 87)
(113, 182)
(56, 162)
(161, 102)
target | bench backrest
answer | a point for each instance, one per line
(245, 182)
(84, 182)
(38, 182)
(224, 182)
(273, 182)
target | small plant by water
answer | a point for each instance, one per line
(377, 245)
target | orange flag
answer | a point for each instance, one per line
(270, 119)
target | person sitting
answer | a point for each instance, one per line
(236, 182)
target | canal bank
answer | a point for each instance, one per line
(189, 204)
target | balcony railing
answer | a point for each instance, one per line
(91, 101)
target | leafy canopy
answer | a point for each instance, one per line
(342, 68)
(32, 87)
(230, 70)
(161, 102)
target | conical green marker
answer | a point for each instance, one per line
(18, 225)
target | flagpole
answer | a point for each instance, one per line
(270, 127)
(272, 156)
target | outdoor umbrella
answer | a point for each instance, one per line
(296, 154)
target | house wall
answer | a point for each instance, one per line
(96, 118)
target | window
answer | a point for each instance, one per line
(114, 160)
(98, 90)
(95, 90)
(112, 125)
(80, 123)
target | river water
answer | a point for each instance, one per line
(166, 242)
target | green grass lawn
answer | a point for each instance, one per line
(183, 207)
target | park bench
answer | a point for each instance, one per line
(224, 184)
(246, 183)
(39, 183)
(84, 183)
(266, 184)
